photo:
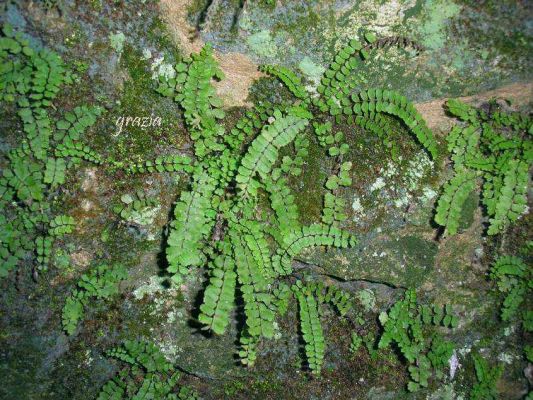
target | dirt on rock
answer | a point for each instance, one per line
(433, 111)
(239, 70)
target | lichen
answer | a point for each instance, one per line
(116, 41)
(262, 44)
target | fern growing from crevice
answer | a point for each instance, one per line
(491, 153)
(406, 326)
(238, 215)
(487, 376)
(146, 375)
(515, 280)
(101, 283)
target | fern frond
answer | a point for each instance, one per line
(248, 348)
(197, 97)
(219, 296)
(340, 80)
(462, 111)
(338, 298)
(73, 312)
(394, 41)
(102, 283)
(112, 390)
(61, 225)
(454, 195)
(77, 151)
(511, 198)
(25, 177)
(378, 124)
(282, 202)
(144, 354)
(393, 103)
(309, 236)
(311, 329)
(514, 279)
(258, 302)
(37, 127)
(76, 122)
(263, 151)
(194, 218)
(54, 174)
(289, 79)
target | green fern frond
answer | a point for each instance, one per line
(454, 195)
(194, 218)
(258, 302)
(219, 296)
(511, 199)
(514, 279)
(340, 80)
(77, 151)
(311, 328)
(462, 111)
(485, 388)
(102, 283)
(289, 79)
(309, 236)
(61, 225)
(263, 151)
(393, 103)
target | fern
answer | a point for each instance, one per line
(355, 342)
(61, 225)
(150, 376)
(219, 296)
(138, 209)
(25, 178)
(289, 79)
(258, 303)
(311, 329)
(485, 388)
(282, 202)
(78, 151)
(515, 280)
(263, 151)
(451, 202)
(511, 198)
(223, 220)
(194, 220)
(403, 326)
(387, 101)
(101, 283)
(493, 146)
(32, 80)
(75, 123)
(199, 102)
(54, 174)
(248, 349)
(307, 237)
(340, 79)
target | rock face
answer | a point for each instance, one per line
(470, 50)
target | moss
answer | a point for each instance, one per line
(418, 255)
(159, 35)
(308, 187)
(467, 212)
(139, 99)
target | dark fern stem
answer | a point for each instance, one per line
(395, 41)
